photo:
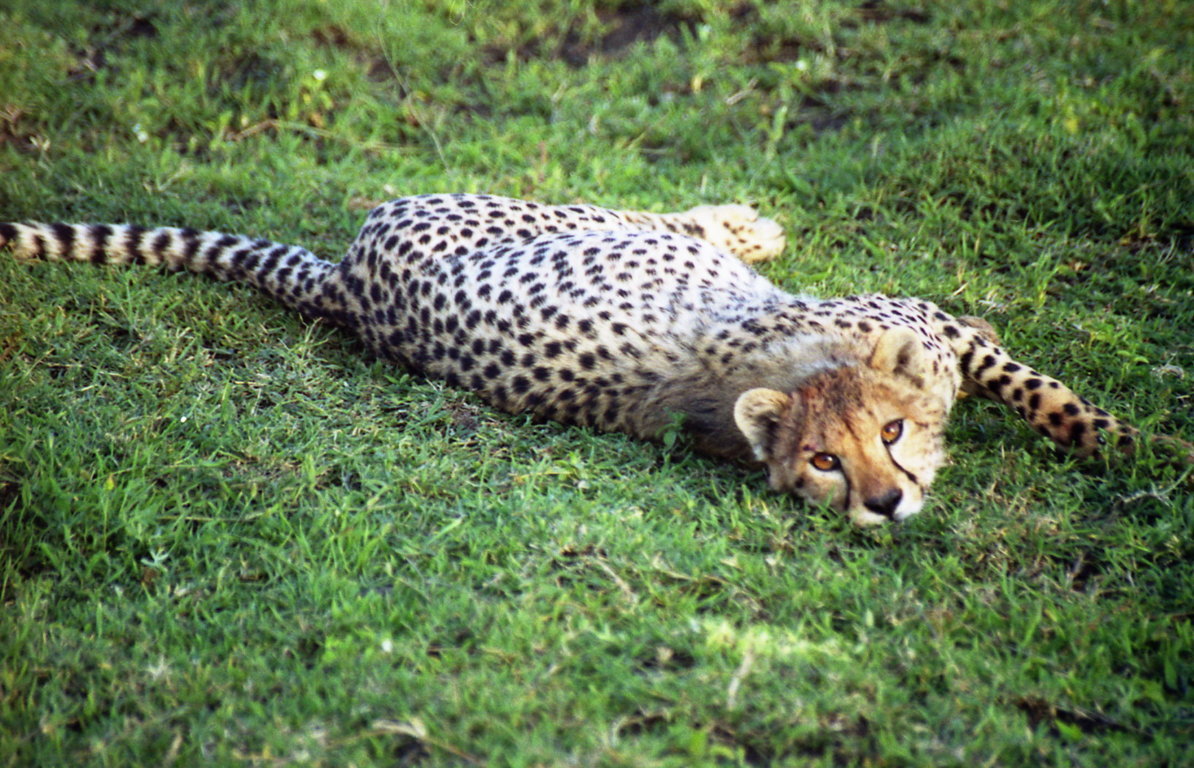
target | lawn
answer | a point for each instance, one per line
(229, 537)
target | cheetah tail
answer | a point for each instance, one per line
(1049, 406)
(287, 273)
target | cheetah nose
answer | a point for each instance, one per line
(886, 504)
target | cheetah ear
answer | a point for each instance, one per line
(757, 412)
(899, 351)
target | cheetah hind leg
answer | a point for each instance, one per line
(740, 230)
(735, 228)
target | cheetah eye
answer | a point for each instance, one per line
(892, 431)
(826, 462)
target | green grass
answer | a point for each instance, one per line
(228, 537)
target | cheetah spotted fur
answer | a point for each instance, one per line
(622, 320)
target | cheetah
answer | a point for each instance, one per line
(629, 321)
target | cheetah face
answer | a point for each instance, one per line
(864, 439)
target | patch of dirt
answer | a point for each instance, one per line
(10, 490)
(465, 418)
(105, 39)
(625, 26)
(333, 36)
(249, 70)
(665, 659)
(753, 753)
(11, 132)
(649, 722)
(870, 12)
(1039, 711)
(877, 11)
(622, 27)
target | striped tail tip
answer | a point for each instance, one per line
(96, 243)
(288, 273)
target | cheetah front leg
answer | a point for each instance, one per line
(735, 228)
(1049, 406)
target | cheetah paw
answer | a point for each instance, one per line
(740, 230)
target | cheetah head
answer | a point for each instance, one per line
(865, 438)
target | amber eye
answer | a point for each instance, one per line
(826, 462)
(892, 431)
